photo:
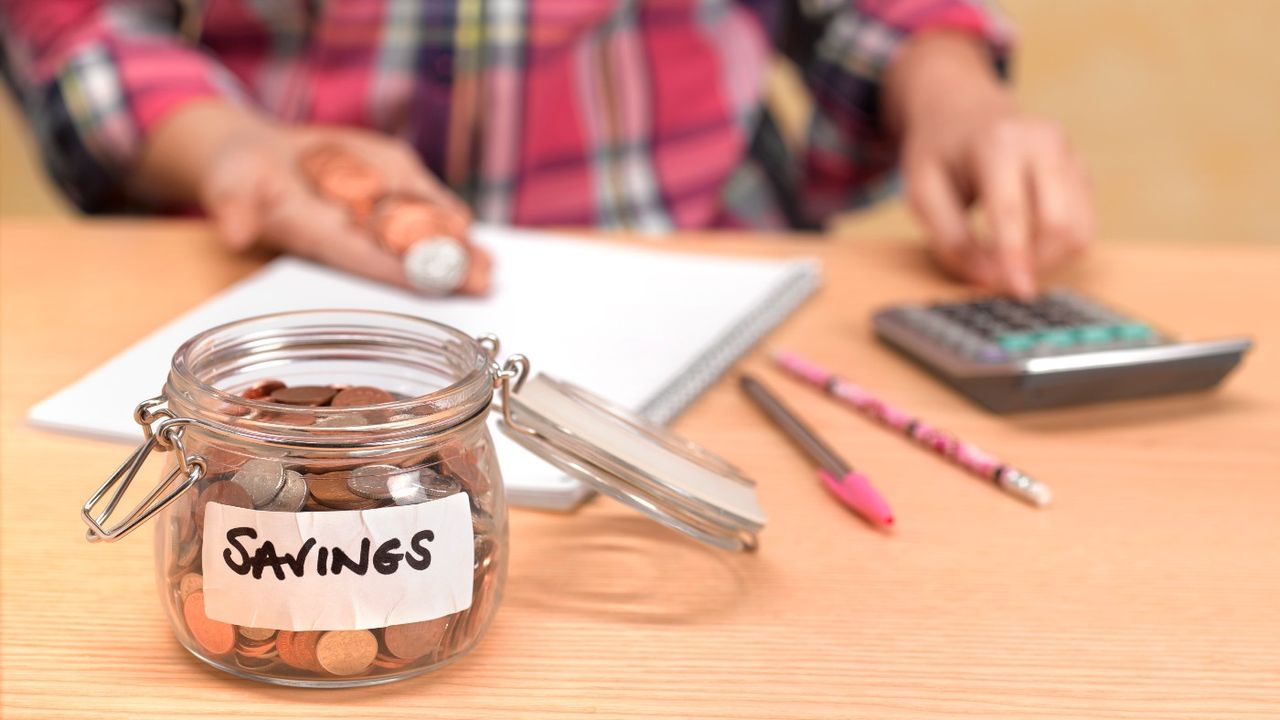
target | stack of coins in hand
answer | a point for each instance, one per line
(431, 238)
(235, 477)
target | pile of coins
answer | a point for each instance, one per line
(430, 238)
(286, 485)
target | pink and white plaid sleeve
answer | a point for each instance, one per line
(95, 78)
(850, 159)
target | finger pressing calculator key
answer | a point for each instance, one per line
(1059, 349)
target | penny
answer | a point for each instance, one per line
(400, 222)
(351, 184)
(296, 419)
(261, 389)
(217, 638)
(342, 177)
(346, 652)
(305, 395)
(388, 662)
(292, 497)
(479, 276)
(190, 553)
(330, 489)
(257, 634)
(379, 482)
(246, 648)
(190, 583)
(224, 492)
(461, 462)
(313, 161)
(298, 649)
(254, 664)
(361, 397)
(218, 458)
(413, 640)
(261, 479)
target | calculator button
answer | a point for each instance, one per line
(1094, 334)
(1057, 337)
(1133, 331)
(1016, 342)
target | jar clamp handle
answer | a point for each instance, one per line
(166, 435)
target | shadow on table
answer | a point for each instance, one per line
(627, 569)
(1125, 413)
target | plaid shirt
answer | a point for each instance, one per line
(638, 114)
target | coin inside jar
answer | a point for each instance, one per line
(361, 396)
(413, 640)
(346, 652)
(190, 583)
(330, 490)
(257, 634)
(224, 492)
(292, 497)
(216, 637)
(298, 649)
(261, 389)
(304, 395)
(380, 482)
(411, 488)
(261, 479)
(462, 463)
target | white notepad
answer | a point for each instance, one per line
(647, 329)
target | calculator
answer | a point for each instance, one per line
(1061, 349)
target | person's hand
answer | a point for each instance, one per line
(963, 143)
(256, 190)
(246, 173)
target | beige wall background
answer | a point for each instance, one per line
(1174, 103)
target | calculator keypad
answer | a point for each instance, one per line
(994, 330)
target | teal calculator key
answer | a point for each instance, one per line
(1057, 337)
(1017, 342)
(1133, 331)
(1094, 334)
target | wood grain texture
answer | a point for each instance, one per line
(1150, 590)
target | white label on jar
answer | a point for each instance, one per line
(341, 570)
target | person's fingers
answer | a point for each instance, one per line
(935, 200)
(1003, 191)
(1062, 203)
(405, 173)
(479, 277)
(232, 197)
(321, 231)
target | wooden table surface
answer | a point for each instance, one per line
(1151, 589)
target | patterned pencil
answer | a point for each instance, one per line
(962, 453)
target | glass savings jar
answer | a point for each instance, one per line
(333, 514)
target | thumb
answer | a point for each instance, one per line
(236, 216)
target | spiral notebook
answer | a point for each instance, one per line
(645, 328)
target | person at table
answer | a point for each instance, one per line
(637, 115)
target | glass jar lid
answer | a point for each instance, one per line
(634, 460)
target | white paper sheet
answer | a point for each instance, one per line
(624, 323)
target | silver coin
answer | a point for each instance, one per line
(292, 497)
(437, 265)
(378, 482)
(261, 479)
(421, 486)
(439, 486)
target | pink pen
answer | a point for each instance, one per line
(964, 454)
(850, 487)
